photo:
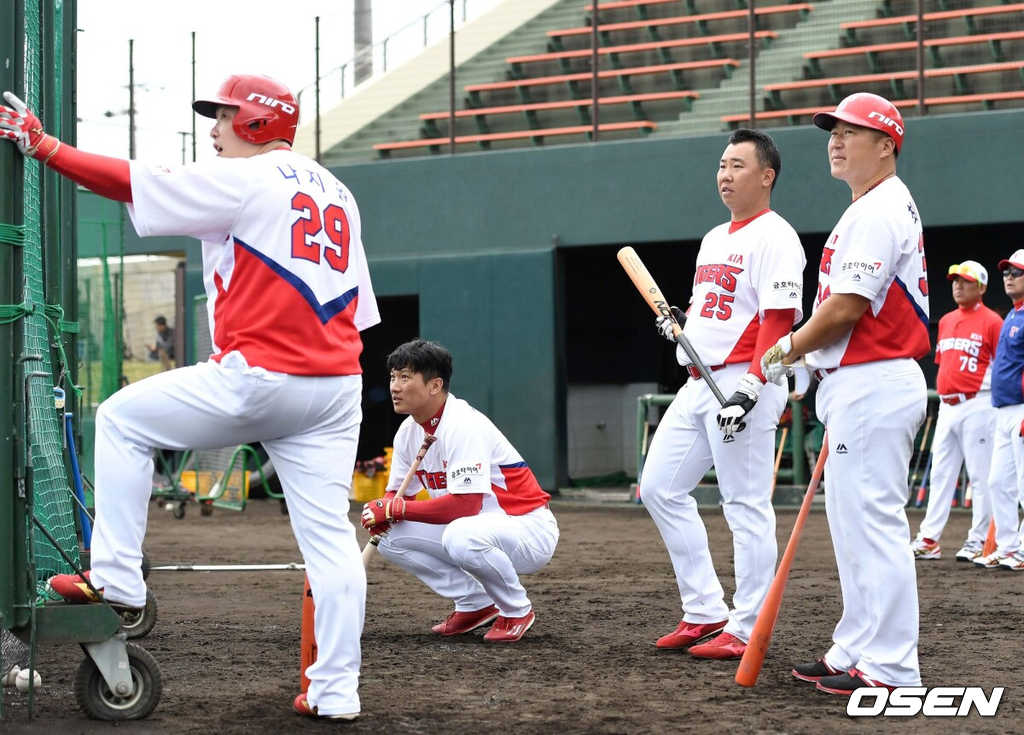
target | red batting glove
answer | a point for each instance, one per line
(1022, 428)
(19, 125)
(383, 511)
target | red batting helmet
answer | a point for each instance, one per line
(869, 111)
(267, 110)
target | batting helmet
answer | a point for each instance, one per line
(869, 111)
(267, 110)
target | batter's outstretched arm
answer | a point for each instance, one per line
(108, 177)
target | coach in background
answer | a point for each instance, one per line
(746, 294)
(288, 293)
(487, 520)
(1006, 481)
(963, 430)
(869, 326)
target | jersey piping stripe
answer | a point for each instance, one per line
(917, 307)
(325, 312)
(512, 466)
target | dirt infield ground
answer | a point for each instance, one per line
(228, 643)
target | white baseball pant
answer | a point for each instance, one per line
(873, 412)
(685, 446)
(310, 428)
(963, 434)
(1006, 480)
(475, 561)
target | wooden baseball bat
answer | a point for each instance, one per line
(371, 545)
(778, 458)
(761, 636)
(644, 282)
(922, 490)
(920, 452)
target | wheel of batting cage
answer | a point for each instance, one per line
(179, 511)
(206, 508)
(97, 701)
(140, 624)
(146, 565)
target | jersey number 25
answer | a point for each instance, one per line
(311, 223)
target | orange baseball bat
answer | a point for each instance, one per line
(990, 540)
(761, 637)
(371, 545)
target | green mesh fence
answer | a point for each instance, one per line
(52, 494)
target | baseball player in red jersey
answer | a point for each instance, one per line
(746, 294)
(487, 520)
(869, 326)
(963, 430)
(288, 293)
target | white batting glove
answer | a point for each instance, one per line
(665, 325)
(20, 126)
(730, 418)
(771, 361)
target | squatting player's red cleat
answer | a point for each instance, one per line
(724, 647)
(462, 622)
(509, 630)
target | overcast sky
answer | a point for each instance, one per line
(258, 36)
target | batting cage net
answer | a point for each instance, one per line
(43, 323)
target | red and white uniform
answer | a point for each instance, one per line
(873, 400)
(743, 270)
(288, 294)
(261, 270)
(966, 422)
(475, 561)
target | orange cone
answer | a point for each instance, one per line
(990, 542)
(308, 639)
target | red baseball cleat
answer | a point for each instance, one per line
(73, 589)
(509, 630)
(724, 647)
(462, 622)
(302, 706)
(689, 633)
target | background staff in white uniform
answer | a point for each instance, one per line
(746, 294)
(966, 345)
(869, 325)
(487, 520)
(287, 281)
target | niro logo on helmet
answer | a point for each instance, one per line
(271, 102)
(886, 121)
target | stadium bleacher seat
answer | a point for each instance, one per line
(484, 140)
(909, 22)
(530, 109)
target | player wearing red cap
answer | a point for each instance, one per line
(288, 293)
(967, 341)
(869, 326)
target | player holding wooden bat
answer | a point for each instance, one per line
(869, 326)
(746, 294)
(487, 520)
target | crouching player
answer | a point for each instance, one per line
(487, 520)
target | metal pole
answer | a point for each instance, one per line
(131, 99)
(193, 94)
(451, 76)
(317, 106)
(751, 52)
(594, 77)
(921, 108)
(183, 133)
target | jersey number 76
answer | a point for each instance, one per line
(311, 222)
